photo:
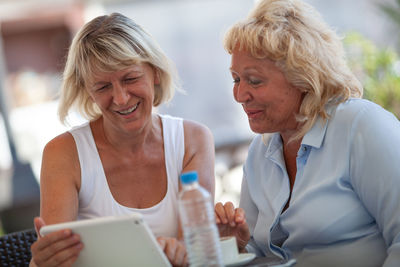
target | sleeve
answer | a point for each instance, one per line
(251, 212)
(375, 173)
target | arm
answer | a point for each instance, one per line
(246, 203)
(375, 173)
(59, 187)
(200, 154)
(60, 180)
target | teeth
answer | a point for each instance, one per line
(125, 112)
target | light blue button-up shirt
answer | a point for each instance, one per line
(345, 205)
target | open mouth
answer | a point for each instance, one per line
(129, 110)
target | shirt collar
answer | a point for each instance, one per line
(315, 136)
(273, 142)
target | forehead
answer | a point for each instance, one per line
(242, 60)
(99, 74)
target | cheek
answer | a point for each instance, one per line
(234, 92)
(93, 99)
(102, 101)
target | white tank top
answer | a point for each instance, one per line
(95, 198)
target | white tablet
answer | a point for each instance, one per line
(114, 241)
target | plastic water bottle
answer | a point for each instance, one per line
(198, 222)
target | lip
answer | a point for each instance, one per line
(253, 113)
(126, 109)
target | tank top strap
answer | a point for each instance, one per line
(92, 172)
(174, 148)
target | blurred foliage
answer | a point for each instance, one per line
(377, 69)
(392, 11)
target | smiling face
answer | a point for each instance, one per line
(125, 97)
(269, 101)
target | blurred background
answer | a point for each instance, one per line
(35, 35)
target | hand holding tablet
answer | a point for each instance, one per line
(114, 241)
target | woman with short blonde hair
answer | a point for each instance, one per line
(107, 44)
(126, 159)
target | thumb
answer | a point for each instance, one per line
(243, 230)
(162, 242)
(39, 223)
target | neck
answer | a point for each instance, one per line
(133, 140)
(290, 146)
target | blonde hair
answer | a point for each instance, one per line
(309, 53)
(110, 43)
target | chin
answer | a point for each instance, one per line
(261, 130)
(256, 127)
(257, 130)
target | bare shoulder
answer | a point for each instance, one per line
(60, 156)
(196, 132)
(200, 153)
(60, 179)
(62, 143)
(199, 142)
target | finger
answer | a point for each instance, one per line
(161, 242)
(244, 230)
(47, 247)
(217, 220)
(230, 213)
(69, 261)
(220, 213)
(180, 255)
(38, 222)
(171, 248)
(51, 238)
(239, 216)
(65, 257)
(243, 235)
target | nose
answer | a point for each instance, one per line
(241, 93)
(120, 95)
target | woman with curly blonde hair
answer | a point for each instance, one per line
(321, 183)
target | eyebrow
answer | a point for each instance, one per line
(248, 69)
(101, 83)
(123, 76)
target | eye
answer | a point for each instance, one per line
(253, 81)
(235, 78)
(102, 88)
(129, 80)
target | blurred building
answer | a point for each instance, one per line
(35, 36)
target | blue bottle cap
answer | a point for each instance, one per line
(189, 177)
